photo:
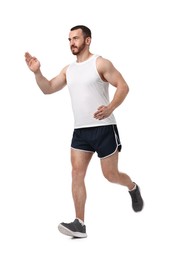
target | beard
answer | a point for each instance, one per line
(77, 50)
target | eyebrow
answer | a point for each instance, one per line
(75, 37)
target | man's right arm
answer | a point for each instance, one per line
(47, 86)
(53, 85)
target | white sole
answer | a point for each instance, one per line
(68, 232)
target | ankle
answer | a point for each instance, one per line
(132, 187)
(81, 221)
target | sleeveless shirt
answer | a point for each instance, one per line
(88, 92)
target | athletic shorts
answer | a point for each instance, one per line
(101, 139)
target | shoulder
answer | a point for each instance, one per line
(104, 64)
(64, 70)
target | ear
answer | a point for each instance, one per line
(88, 40)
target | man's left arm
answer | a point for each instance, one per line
(110, 74)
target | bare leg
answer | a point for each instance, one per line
(111, 173)
(79, 161)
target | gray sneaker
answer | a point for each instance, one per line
(137, 201)
(74, 229)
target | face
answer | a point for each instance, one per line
(77, 41)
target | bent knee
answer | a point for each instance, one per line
(112, 176)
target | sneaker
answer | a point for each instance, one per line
(74, 229)
(137, 201)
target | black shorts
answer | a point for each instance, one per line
(101, 139)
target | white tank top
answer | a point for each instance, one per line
(88, 92)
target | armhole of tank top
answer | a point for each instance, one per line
(97, 56)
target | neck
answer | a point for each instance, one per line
(83, 56)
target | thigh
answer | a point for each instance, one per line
(80, 161)
(110, 164)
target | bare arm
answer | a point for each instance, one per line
(47, 86)
(110, 74)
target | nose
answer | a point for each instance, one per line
(71, 42)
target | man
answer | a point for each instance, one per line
(95, 128)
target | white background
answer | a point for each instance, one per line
(35, 131)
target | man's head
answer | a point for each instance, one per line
(85, 30)
(80, 38)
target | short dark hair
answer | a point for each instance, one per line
(85, 29)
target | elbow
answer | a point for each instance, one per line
(45, 92)
(126, 89)
(46, 88)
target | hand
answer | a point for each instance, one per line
(102, 112)
(32, 62)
